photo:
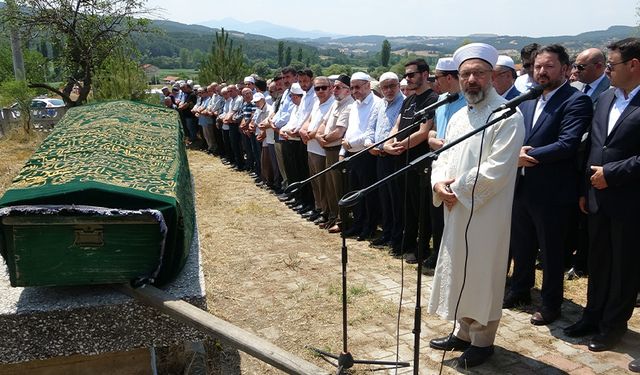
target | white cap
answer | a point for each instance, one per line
(189, 82)
(257, 97)
(249, 79)
(296, 89)
(389, 75)
(362, 76)
(481, 51)
(506, 61)
(446, 64)
(404, 83)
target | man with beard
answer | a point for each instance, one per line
(407, 147)
(474, 180)
(546, 188)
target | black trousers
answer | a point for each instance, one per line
(536, 225)
(362, 173)
(613, 271)
(235, 141)
(392, 218)
(296, 165)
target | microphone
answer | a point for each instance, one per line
(532, 93)
(451, 97)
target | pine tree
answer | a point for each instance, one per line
(225, 63)
(385, 54)
(281, 54)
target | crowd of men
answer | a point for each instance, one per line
(557, 182)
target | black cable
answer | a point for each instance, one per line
(466, 243)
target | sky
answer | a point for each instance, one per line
(414, 17)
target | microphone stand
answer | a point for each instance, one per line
(296, 186)
(345, 358)
(424, 164)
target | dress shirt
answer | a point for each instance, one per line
(523, 82)
(444, 113)
(306, 106)
(362, 114)
(283, 115)
(619, 106)
(385, 120)
(593, 85)
(544, 99)
(338, 118)
(318, 115)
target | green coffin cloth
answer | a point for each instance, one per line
(120, 155)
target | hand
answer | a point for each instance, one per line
(582, 203)
(597, 178)
(304, 135)
(525, 160)
(345, 144)
(394, 148)
(374, 151)
(444, 192)
(436, 143)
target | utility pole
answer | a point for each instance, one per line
(16, 45)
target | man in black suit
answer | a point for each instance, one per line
(546, 189)
(612, 187)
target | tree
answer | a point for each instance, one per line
(120, 77)
(287, 56)
(85, 32)
(300, 58)
(385, 54)
(281, 54)
(185, 58)
(225, 63)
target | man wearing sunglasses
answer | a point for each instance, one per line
(589, 66)
(525, 80)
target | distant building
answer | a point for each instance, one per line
(169, 79)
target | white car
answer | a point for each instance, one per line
(40, 108)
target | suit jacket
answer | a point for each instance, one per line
(619, 154)
(512, 93)
(555, 139)
(602, 87)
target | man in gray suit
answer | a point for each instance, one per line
(590, 65)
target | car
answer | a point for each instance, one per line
(40, 108)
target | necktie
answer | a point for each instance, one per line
(586, 88)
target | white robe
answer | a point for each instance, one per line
(489, 231)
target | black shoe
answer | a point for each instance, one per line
(314, 217)
(601, 343)
(580, 328)
(283, 197)
(299, 207)
(304, 209)
(431, 261)
(364, 235)
(634, 366)
(320, 220)
(450, 342)
(351, 232)
(544, 317)
(380, 242)
(512, 300)
(411, 258)
(475, 356)
(306, 214)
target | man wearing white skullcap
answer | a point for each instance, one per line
(475, 182)
(504, 77)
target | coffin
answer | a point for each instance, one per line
(107, 198)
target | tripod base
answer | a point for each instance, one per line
(346, 361)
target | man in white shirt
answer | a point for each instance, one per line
(362, 170)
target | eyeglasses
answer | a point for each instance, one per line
(339, 87)
(411, 74)
(465, 75)
(321, 88)
(389, 86)
(356, 87)
(581, 67)
(438, 76)
(295, 95)
(610, 65)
